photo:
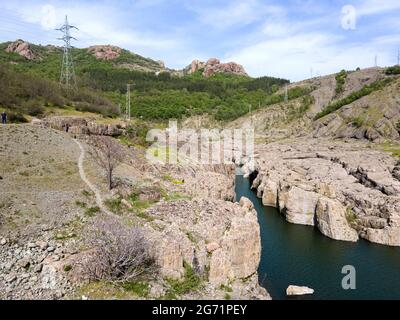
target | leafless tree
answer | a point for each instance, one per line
(120, 253)
(108, 154)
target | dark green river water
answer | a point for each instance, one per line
(301, 255)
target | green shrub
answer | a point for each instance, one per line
(91, 212)
(340, 81)
(67, 268)
(357, 122)
(393, 70)
(141, 289)
(16, 118)
(191, 282)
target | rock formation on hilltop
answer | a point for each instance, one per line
(105, 52)
(213, 66)
(22, 48)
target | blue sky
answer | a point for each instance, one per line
(292, 39)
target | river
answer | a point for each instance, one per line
(301, 255)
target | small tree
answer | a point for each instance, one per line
(108, 154)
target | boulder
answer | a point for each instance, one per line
(332, 221)
(270, 194)
(298, 291)
(298, 205)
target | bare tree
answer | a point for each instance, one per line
(108, 154)
(119, 254)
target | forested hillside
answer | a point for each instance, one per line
(102, 86)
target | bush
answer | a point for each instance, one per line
(357, 122)
(16, 118)
(393, 70)
(340, 81)
(120, 253)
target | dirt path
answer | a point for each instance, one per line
(92, 187)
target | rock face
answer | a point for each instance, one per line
(224, 239)
(22, 48)
(105, 52)
(332, 222)
(213, 66)
(298, 291)
(82, 126)
(346, 190)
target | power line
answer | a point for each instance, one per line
(67, 77)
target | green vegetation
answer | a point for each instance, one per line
(225, 288)
(357, 122)
(26, 94)
(227, 296)
(140, 289)
(340, 81)
(191, 282)
(114, 205)
(297, 113)
(28, 87)
(366, 90)
(393, 70)
(67, 268)
(91, 212)
(392, 148)
(351, 216)
(80, 204)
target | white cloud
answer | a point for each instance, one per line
(237, 12)
(293, 57)
(373, 7)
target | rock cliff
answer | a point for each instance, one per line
(213, 66)
(344, 189)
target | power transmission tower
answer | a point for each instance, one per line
(398, 57)
(128, 102)
(286, 94)
(67, 77)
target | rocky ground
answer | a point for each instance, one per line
(345, 188)
(187, 212)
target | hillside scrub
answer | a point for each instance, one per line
(340, 81)
(366, 90)
(28, 94)
(393, 70)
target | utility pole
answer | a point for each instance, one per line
(376, 61)
(67, 77)
(286, 94)
(128, 102)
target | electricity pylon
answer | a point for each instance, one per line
(128, 102)
(286, 94)
(398, 57)
(67, 77)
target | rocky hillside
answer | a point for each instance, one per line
(203, 245)
(364, 104)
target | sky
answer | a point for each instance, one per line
(292, 39)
